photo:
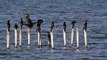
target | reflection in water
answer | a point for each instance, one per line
(77, 51)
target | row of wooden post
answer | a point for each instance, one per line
(50, 37)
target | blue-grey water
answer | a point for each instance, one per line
(95, 11)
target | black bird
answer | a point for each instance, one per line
(38, 24)
(64, 26)
(52, 25)
(21, 23)
(49, 38)
(8, 25)
(15, 26)
(73, 23)
(29, 22)
(85, 25)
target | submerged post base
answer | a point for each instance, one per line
(39, 46)
(77, 47)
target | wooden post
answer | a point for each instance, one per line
(85, 38)
(39, 39)
(20, 37)
(52, 38)
(72, 36)
(72, 31)
(29, 36)
(64, 33)
(38, 23)
(8, 34)
(8, 38)
(85, 34)
(77, 33)
(51, 33)
(15, 30)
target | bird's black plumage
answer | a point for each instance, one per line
(16, 26)
(64, 26)
(39, 22)
(73, 23)
(8, 25)
(29, 22)
(52, 25)
(49, 37)
(85, 25)
(21, 23)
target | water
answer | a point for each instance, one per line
(95, 11)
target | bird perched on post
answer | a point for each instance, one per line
(52, 25)
(73, 23)
(38, 24)
(21, 22)
(29, 22)
(85, 25)
(49, 38)
(15, 26)
(64, 26)
(8, 25)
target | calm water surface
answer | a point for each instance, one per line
(95, 11)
